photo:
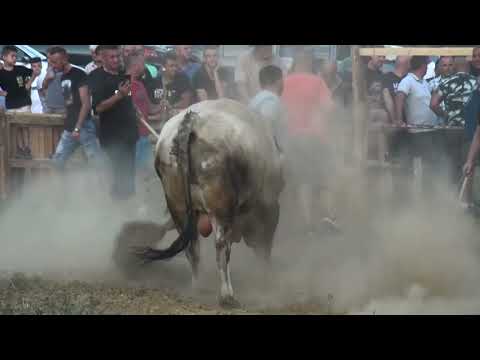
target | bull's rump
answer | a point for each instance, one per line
(233, 157)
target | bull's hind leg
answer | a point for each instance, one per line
(271, 223)
(223, 245)
(193, 255)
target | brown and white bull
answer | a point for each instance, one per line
(218, 158)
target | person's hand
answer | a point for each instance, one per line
(165, 105)
(50, 74)
(468, 168)
(76, 135)
(124, 88)
(3, 93)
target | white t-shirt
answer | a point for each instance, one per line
(37, 103)
(418, 94)
(270, 108)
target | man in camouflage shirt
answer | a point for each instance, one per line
(445, 69)
(455, 91)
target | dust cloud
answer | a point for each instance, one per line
(63, 226)
(423, 259)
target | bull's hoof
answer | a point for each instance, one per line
(229, 302)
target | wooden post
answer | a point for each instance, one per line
(357, 178)
(359, 110)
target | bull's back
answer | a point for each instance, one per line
(233, 156)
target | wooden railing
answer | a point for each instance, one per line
(45, 131)
(360, 138)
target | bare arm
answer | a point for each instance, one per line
(86, 106)
(105, 105)
(48, 78)
(389, 104)
(155, 109)
(242, 92)
(241, 79)
(218, 85)
(28, 85)
(399, 104)
(435, 102)
(109, 103)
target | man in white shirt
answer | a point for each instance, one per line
(413, 96)
(267, 103)
(413, 99)
(248, 69)
(36, 94)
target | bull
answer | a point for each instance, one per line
(218, 159)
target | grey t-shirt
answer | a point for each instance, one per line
(54, 97)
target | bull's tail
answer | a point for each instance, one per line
(181, 150)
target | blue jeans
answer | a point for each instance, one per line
(88, 139)
(143, 153)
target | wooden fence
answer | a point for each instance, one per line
(45, 131)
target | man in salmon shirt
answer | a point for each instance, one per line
(309, 105)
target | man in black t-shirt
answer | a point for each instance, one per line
(206, 81)
(375, 83)
(179, 94)
(154, 86)
(111, 96)
(15, 82)
(392, 79)
(79, 128)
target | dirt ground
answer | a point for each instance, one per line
(420, 261)
(37, 296)
(45, 269)
(24, 295)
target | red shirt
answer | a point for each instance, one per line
(140, 99)
(305, 96)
